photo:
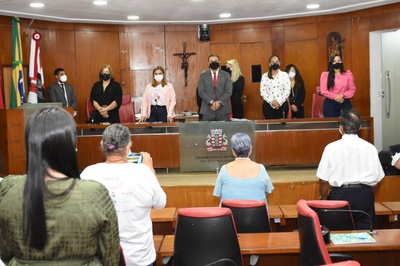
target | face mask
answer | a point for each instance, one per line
(337, 65)
(63, 78)
(275, 66)
(292, 74)
(158, 77)
(229, 71)
(105, 76)
(214, 65)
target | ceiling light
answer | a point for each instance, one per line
(312, 6)
(225, 15)
(37, 5)
(100, 3)
(133, 17)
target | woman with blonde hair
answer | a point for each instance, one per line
(159, 99)
(106, 96)
(237, 78)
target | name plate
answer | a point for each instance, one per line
(205, 146)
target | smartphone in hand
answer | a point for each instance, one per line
(135, 157)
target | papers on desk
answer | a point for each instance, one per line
(352, 238)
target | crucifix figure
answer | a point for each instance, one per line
(185, 64)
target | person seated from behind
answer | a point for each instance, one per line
(134, 189)
(242, 179)
(49, 216)
(396, 160)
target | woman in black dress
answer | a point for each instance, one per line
(106, 97)
(237, 90)
(297, 92)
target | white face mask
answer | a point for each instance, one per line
(292, 74)
(63, 78)
(158, 77)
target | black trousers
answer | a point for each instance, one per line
(360, 198)
(271, 113)
(158, 114)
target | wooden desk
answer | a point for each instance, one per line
(394, 206)
(285, 247)
(163, 221)
(289, 212)
(157, 245)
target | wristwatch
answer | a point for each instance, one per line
(210, 103)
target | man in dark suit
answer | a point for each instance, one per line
(60, 91)
(215, 90)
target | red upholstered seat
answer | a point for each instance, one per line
(89, 108)
(317, 105)
(251, 216)
(313, 250)
(127, 110)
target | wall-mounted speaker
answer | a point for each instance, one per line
(204, 32)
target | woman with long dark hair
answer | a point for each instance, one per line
(49, 214)
(337, 85)
(297, 92)
(275, 89)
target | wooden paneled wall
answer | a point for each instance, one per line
(133, 51)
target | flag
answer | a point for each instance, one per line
(36, 78)
(17, 85)
(1, 88)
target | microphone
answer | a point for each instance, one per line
(371, 226)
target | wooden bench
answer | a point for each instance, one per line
(394, 206)
(163, 221)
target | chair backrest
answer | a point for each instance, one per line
(317, 105)
(127, 110)
(251, 216)
(89, 108)
(289, 114)
(205, 236)
(334, 214)
(312, 246)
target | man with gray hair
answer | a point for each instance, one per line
(351, 168)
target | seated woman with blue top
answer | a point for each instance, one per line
(242, 179)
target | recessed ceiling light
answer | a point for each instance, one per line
(312, 6)
(37, 5)
(225, 15)
(100, 3)
(133, 17)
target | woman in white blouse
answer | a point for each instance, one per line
(275, 89)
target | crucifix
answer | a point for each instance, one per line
(185, 64)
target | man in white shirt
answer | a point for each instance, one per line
(351, 168)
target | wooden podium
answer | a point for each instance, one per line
(12, 136)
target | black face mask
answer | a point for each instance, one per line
(214, 65)
(337, 65)
(229, 71)
(275, 66)
(105, 76)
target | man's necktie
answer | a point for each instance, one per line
(62, 89)
(215, 79)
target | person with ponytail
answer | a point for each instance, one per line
(50, 216)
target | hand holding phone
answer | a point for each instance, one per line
(135, 158)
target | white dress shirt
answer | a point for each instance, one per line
(350, 160)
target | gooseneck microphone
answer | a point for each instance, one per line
(371, 226)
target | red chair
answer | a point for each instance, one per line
(251, 216)
(334, 214)
(317, 105)
(206, 236)
(127, 110)
(289, 114)
(313, 250)
(89, 108)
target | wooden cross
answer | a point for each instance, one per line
(185, 64)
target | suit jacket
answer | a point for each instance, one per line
(56, 95)
(222, 92)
